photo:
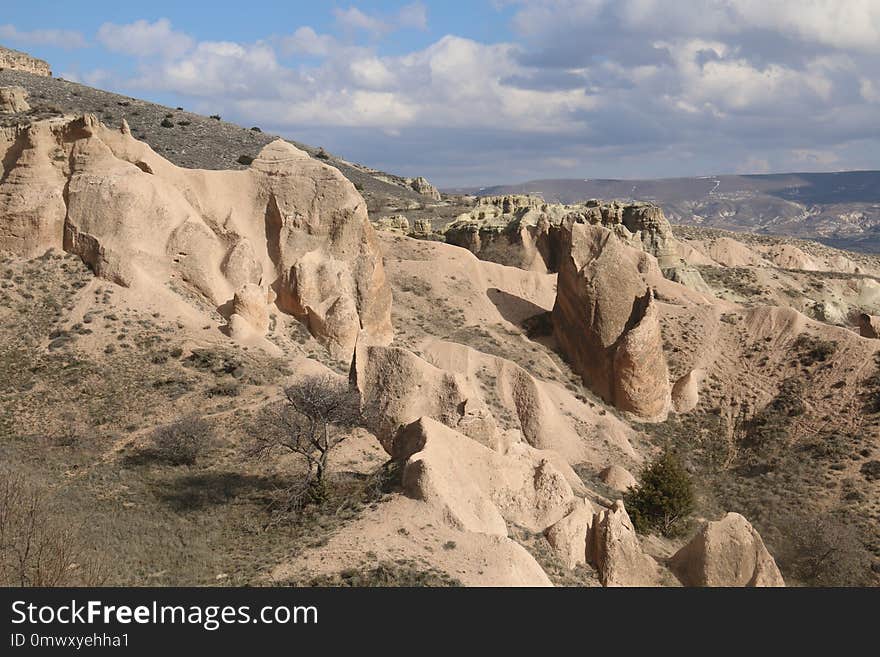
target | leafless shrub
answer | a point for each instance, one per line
(35, 548)
(317, 414)
(181, 442)
(820, 549)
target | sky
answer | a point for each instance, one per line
(499, 91)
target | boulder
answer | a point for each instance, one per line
(250, 303)
(477, 488)
(568, 536)
(617, 478)
(688, 276)
(686, 392)
(614, 549)
(289, 222)
(396, 223)
(727, 552)
(869, 326)
(421, 228)
(13, 100)
(397, 388)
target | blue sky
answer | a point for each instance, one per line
(473, 93)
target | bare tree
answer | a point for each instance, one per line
(823, 549)
(317, 415)
(36, 549)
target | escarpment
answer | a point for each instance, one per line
(289, 222)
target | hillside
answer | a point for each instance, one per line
(191, 140)
(175, 317)
(839, 209)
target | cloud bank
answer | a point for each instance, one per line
(613, 88)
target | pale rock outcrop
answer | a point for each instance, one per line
(788, 256)
(568, 536)
(397, 388)
(686, 392)
(727, 552)
(19, 61)
(477, 488)
(614, 549)
(289, 222)
(522, 231)
(688, 276)
(241, 265)
(32, 205)
(251, 304)
(396, 223)
(869, 326)
(13, 100)
(421, 186)
(421, 228)
(617, 478)
(606, 322)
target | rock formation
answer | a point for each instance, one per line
(479, 489)
(522, 231)
(606, 322)
(397, 388)
(686, 392)
(617, 478)
(396, 223)
(614, 549)
(568, 536)
(250, 304)
(19, 61)
(869, 326)
(421, 186)
(13, 100)
(727, 552)
(289, 222)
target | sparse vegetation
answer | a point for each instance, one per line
(182, 442)
(37, 549)
(812, 350)
(401, 573)
(316, 417)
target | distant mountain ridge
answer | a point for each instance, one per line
(841, 208)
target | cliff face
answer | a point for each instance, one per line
(288, 222)
(19, 61)
(525, 232)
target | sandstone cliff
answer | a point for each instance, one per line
(19, 61)
(289, 223)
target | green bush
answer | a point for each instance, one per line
(664, 499)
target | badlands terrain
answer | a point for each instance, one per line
(517, 366)
(840, 209)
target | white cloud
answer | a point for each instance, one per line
(217, 69)
(308, 42)
(144, 39)
(726, 82)
(870, 90)
(413, 16)
(68, 39)
(354, 19)
(625, 88)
